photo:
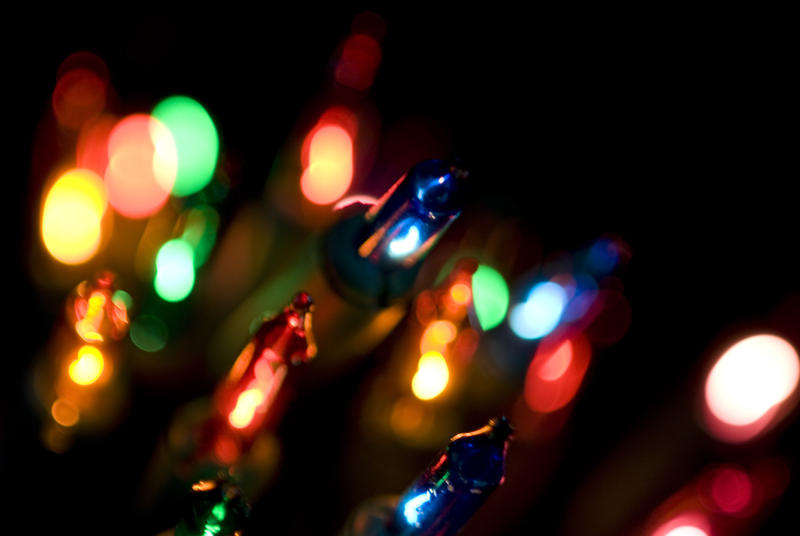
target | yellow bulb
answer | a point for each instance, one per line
(87, 367)
(431, 377)
(72, 215)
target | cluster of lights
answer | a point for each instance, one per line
(443, 310)
(98, 316)
(132, 164)
(724, 499)
(327, 154)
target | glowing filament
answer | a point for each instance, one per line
(402, 245)
(87, 327)
(246, 405)
(87, 367)
(411, 509)
(431, 377)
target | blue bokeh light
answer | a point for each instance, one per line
(540, 313)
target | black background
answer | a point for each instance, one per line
(670, 129)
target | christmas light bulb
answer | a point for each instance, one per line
(373, 257)
(443, 498)
(214, 508)
(245, 399)
(447, 493)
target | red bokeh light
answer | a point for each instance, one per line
(556, 373)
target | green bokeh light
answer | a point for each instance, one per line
(174, 270)
(196, 140)
(489, 296)
(120, 296)
(149, 333)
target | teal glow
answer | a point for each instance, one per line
(196, 140)
(149, 333)
(174, 270)
(489, 296)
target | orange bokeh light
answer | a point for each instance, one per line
(431, 377)
(329, 172)
(437, 336)
(142, 166)
(65, 412)
(461, 293)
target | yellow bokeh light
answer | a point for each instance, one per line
(65, 412)
(87, 367)
(72, 216)
(431, 377)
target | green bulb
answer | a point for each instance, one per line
(196, 141)
(489, 296)
(174, 270)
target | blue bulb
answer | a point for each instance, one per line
(443, 498)
(407, 222)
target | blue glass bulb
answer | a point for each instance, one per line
(415, 212)
(372, 257)
(443, 498)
